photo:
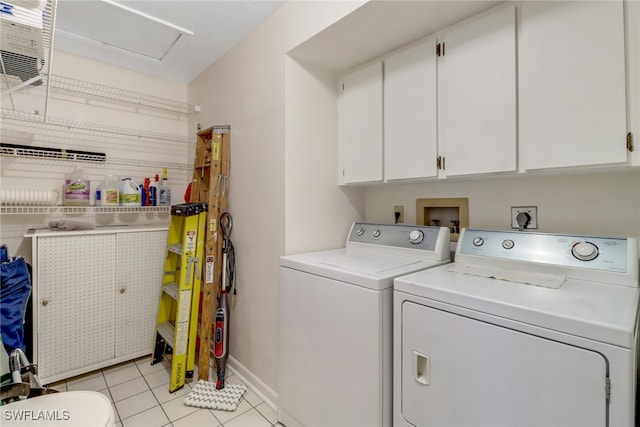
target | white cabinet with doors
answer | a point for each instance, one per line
(410, 112)
(447, 113)
(95, 296)
(140, 261)
(360, 125)
(477, 94)
(572, 106)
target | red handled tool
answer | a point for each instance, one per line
(221, 327)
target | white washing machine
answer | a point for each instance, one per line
(552, 342)
(336, 320)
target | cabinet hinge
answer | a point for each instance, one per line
(443, 166)
(607, 388)
(343, 87)
(440, 49)
(630, 142)
(440, 162)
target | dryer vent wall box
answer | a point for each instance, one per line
(562, 317)
(336, 313)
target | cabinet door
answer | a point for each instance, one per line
(140, 271)
(410, 112)
(571, 84)
(477, 94)
(76, 302)
(360, 125)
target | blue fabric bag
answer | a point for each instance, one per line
(4, 253)
(15, 289)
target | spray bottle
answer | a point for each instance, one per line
(153, 192)
(165, 190)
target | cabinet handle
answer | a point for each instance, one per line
(122, 290)
(45, 302)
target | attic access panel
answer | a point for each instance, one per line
(121, 27)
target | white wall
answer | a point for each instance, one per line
(606, 204)
(50, 174)
(246, 89)
(318, 212)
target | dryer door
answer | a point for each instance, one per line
(458, 371)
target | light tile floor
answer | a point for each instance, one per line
(140, 396)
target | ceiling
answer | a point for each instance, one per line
(175, 40)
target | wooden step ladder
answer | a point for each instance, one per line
(177, 319)
(210, 184)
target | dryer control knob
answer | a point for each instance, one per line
(360, 231)
(478, 241)
(585, 251)
(416, 236)
(376, 233)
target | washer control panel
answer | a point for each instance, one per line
(396, 235)
(597, 253)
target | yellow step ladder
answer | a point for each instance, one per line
(176, 325)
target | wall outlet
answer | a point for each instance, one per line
(532, 211)
(398, 210)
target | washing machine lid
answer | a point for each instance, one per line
(359, 267)
(592, 310)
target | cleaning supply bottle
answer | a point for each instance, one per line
(110, 191)
(146, 195)
(130, 193)
(99, 195)
(77, 189)
(153, 192)
(165, 190)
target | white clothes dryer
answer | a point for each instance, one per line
(523, 329)
(336, 320)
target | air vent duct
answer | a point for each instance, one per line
(25, 40)
(26, 68)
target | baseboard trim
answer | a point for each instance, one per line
(266, 393)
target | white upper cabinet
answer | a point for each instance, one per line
(571, 84)
(410, 112)
(477, 94)
(360, 125)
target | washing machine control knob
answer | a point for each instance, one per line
(376, 233)
(416, 236)
(585, 251)
(360, 231)
(508, 244)
(478, 241)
